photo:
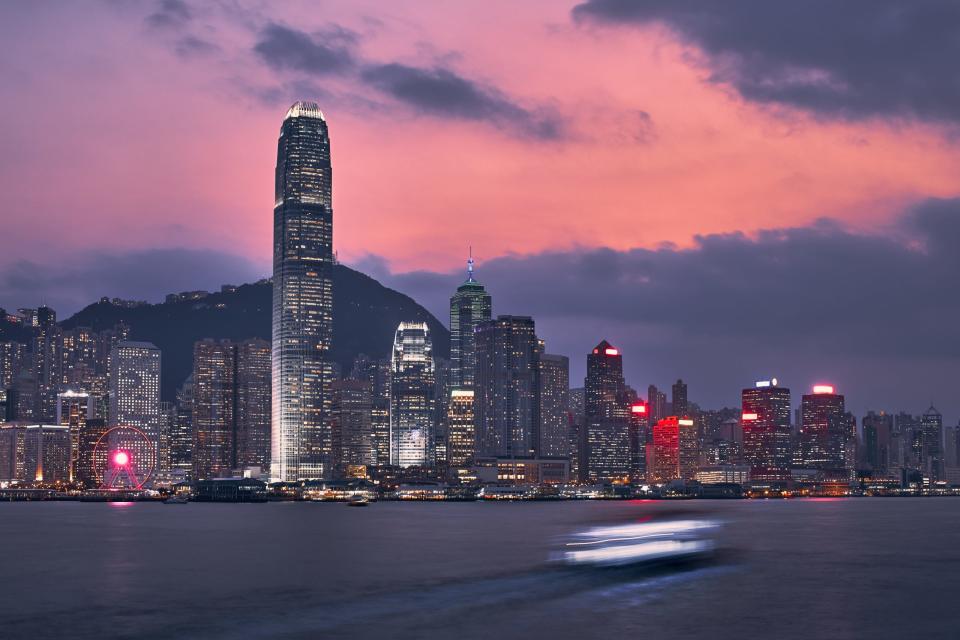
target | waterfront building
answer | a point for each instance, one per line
(554, 410)
(765, 419)
(877, 430)
(507, 387)
(824, 435)
(412, 402)
(640, 436)
(135, 395)
(74, 408)
(461, 429)
(352, 435)
(606, 449)
(35, 453)
(469, 306)
(301, 442)
(674, 450)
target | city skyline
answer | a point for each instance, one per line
(601, 169)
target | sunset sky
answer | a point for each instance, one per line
(726, 190)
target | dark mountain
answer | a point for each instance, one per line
(365, 318)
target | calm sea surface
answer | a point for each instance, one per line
(830, 569)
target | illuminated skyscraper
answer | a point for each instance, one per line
(74, 408)
(377, 374)
(640, 436)
(412, 388)
(135, 392)
(931, 456)
(824, 436)
(507, 387)
(656, 404)
(461, 430)
(352, 435)
(606, 417)
(674, 450)
(11, 362)
(554, 406)
(469, 306)
(231, 407)
(302, 297)
(766, 431)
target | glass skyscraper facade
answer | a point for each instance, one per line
(469, 306)
(412, 401)
(301, 442)
(606, 449)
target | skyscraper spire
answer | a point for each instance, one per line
(470, 266)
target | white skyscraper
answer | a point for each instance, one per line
(135, 391)
(412, 408)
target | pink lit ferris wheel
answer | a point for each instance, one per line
(124, 458)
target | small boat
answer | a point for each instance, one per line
(358, 500)
(176, 500)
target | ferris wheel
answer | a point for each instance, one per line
(124, 458)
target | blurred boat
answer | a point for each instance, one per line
(358, 500)
(640, 543)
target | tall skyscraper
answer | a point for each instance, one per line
(377, 374)
(302, 297)
(824, 437)
(656, 404)
(352, 435)
(74, 408)
(12, 356)
(469, 306)
(679, 399)
(554, 405)
(606, 417)
(135, 393)
(181, 433)
(931, 457)
(412, 388)
(231, 406)
(461, 430)
(47, 363)
(214, 387)
(253, 410)
(877, 442)
(640, 436)
(766, 431)
(674, 449)
(506, 387)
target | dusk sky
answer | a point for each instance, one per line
(727, 191)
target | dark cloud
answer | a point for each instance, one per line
(192, 46)
(283, 48)
(853, 59)
(441, 92)
(73, 283)
(877, 314)
(170, 14)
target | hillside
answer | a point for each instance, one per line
(365, 318)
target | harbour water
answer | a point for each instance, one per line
(827, 568)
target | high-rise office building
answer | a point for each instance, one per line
(679, 399)
(214, 404)
(640, 436)
(606, 449)
(824, 437)
(765, 416)
(35, 453)
(877, 442)
(554, 406)
(47, 363)
(674, 450)
(12, 355)
(135, 394)
(469, 306)
(74, 408)
(931, 449)
(350, 419)
(302, 297)
(506, 387)
(377, 373)
(181, 433)
(412, 402)
(231, 406)
(253, 412)
(656, 404)
(461, 429)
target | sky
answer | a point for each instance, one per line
(727, 192)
